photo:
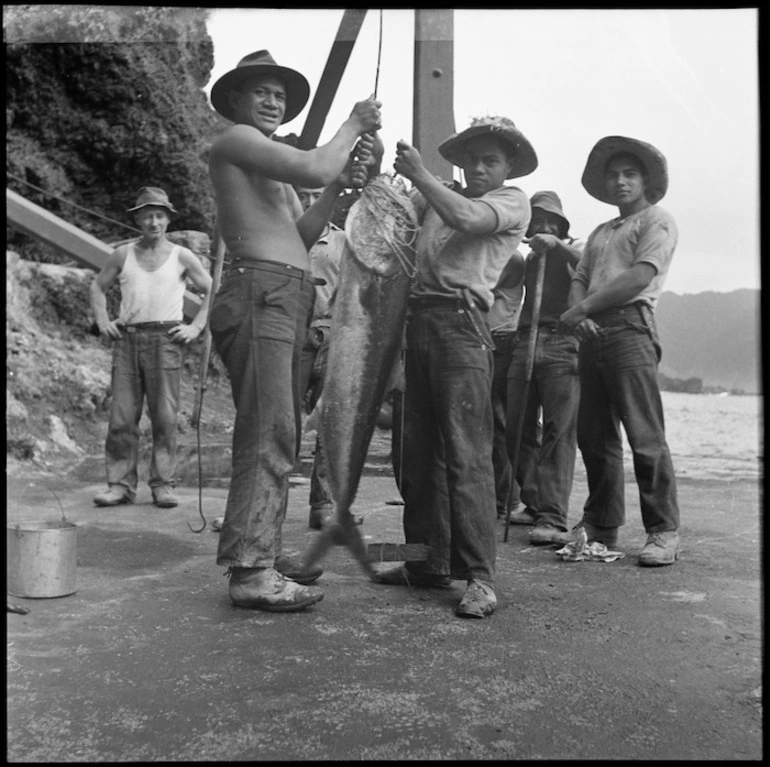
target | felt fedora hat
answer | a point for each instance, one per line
(550, 203)
(261, 63)
(152, 195)
(652, 159)
(524, 160)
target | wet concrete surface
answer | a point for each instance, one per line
(149, 661)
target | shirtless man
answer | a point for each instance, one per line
(149, 337)
(260, 315)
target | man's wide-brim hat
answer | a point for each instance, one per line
(652, 159)
(524, 159)
(550, 203)
(152, 195)
(261, 63)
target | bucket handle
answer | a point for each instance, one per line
(51, 490)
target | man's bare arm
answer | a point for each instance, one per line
(248, 148)
(98, 293)
(619, 291)
(193, 269)
(459, 212)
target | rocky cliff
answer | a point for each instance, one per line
(101, 100)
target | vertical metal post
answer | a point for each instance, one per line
(433, 118)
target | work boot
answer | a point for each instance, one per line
(606, 535)
(542, 535)
(524, 517)
(478, 601)
(403, 576)
(163, 496)
(325, 514)
(292, 568)
(660, 549)
(319, 516)
(113, 497)
(264, 588)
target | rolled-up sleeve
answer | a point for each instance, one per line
(510, 205)
(657, 239)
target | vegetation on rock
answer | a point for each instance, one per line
(117, 106)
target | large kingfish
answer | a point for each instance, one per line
(368, 320)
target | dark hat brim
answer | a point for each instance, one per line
(654, 161)
(554, 210)
(297, 88)
(524, 159)
(168, 206)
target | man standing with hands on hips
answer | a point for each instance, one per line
(612, 300)
(260, 315)
(149, 336)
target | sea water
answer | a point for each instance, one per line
(714, 436)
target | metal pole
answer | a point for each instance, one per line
(433, 104)
(219, 257)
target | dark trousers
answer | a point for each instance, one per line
(507, 492)
(447, 480)
(258, 326)
(619, 384)
(312, 371)
(146, 363)
(554, 389)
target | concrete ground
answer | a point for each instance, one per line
(149, 661)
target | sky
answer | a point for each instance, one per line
(684, 80)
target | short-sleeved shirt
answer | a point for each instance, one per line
(647, 237)
(325, 260)
(504, 315)
(556, 284)
(449, 261)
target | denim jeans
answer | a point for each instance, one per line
(146, 363)
(258, 325)
(447, 480)
(554, 387)
(506, 487)
(619, 384)
(312, 371)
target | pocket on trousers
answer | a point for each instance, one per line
(277, 311)
(228, 309)
(171, 356)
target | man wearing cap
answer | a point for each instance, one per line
(546, 461)
(466, 239)
(612, 301)
(149, 336)
(260, 314)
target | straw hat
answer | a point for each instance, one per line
(550, 203)
(152, 195)
(524, 160)
(261, 63)
(652, 159)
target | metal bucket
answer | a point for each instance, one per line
(42, 559)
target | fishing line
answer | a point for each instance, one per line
(379, 59)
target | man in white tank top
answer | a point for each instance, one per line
(149, 335)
